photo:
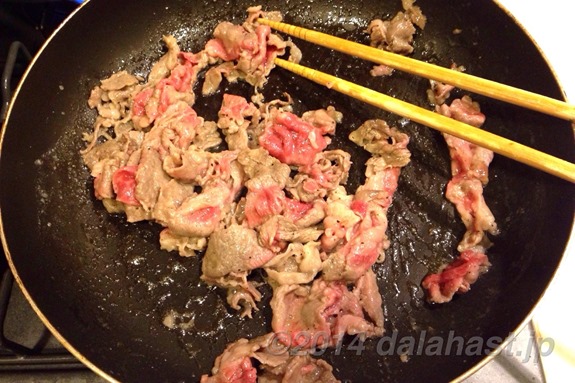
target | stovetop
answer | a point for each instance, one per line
(28, 352)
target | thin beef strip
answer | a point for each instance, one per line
(275, 364)
(321, 314)
(395, 35)
(364, 242)
(232, 253)
(469, 168)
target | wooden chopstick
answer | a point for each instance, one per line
(497, 144)
(461, 80)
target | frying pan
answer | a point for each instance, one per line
(103, 286)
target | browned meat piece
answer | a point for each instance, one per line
(235, 249)
(298, 264)
(231, 254)
(467, 196)
(381, 71)
(414, 12)
(468, 160)
(299, 369)
(324, 119)
(118, 80)
(259, 165)
(252, 47)
(379, 186)
(369, 297)
(172, 79)
(267, 178)
(185, 246)
(278, 231)
(235, 364)
(313, 181)
(167, 62)
(294, 140)
(378, 138)
(355, 228)
(395, 35)
(320, 315)
(366, 244)
(457, 277)
(340, 219)
(464, 110)
(439, 92)
(469, 168)
(235, 117)
(150, 177)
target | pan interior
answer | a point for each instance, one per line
(106, 286)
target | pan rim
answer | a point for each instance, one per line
(5, 245)
(469, 372)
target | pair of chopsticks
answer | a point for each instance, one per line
(497, 144)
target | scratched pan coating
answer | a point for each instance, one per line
(105, 286)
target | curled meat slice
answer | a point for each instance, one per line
(395, 35)
(299, 369)
(185, 246)
(278, 231)
(259, 165)
(364, 247)
(234, 249)
(237, 364)
(456, 277)
(469, 169)
(234, 118)
(293, 140)
(378, 138)
(328, 170)
(298, 264)
(463, 109)
(468, 160)
(231, 254)
(320, 315)
(251, 46)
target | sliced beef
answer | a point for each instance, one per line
(231, 254)
(363, 248)
(266, 179)
(355, 227)
(319, 315)
(328, 170)
(237, 364)
(456, 277)
(234, 249)
(378, 138)
(467, 196)
(299, 369)
(298, 264)
(235, 116)
(250, 46)
(150, 177)
(396, 35)
(469, 169)
(340, 219)
(185, 246)
(293, 140)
